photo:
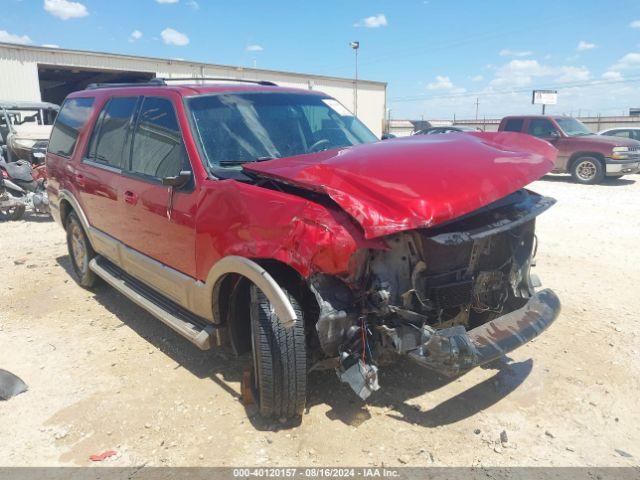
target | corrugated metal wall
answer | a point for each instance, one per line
(19, 76)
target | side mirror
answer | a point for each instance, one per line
(387, 136)
(178, 181)
(553, 135)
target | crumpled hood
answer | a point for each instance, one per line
(419, 181)
(33, 131)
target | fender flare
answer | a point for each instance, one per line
(260, 277)
(68, 196)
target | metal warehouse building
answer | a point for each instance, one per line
(49, 74)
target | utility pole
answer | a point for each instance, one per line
(356, 46)
(477, 104)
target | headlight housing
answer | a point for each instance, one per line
(23, 142)
(620, 153)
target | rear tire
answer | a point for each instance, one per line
(80, 252)
(587, 170)
(279, 376)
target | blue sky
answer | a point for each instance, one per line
(437, 56)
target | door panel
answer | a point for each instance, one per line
(160, 222)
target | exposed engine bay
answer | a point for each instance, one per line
(451, 297)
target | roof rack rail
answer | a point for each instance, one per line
(216, 79)
(162, 81)
(151, 82)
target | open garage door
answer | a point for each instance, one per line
(56, 82)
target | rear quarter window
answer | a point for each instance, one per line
(72, 117)
(514, 125)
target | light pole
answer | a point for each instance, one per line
(356, 47)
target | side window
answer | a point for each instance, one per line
(540, 127)
(71, 119)
(158, 150)
(110, 140)
(514, 125)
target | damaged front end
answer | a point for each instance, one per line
(450, 298)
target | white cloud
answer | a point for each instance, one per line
(477, 78)
(582, 46)
(167, 1)
(255, 48)
(374, 21)
(174, 37)
(612, 75)
(193, 4)
(630, 60)
(11, 38)
(50, 45)
(444, 83)
(635, 24)
(573, 74)
(135, 35)
(520, 73)
(505, 52)
(64, 9)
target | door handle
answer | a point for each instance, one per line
(79, 178)
(130, 197)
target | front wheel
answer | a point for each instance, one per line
(279, 377)
(587, 170)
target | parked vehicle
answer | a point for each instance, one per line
(449, 129)
(24, 187)
(586, 156)
(272, 220)
(25, 128)
(624, 132)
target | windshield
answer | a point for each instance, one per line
(572, 127)
(246, 127)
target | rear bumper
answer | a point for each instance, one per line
(454, 351)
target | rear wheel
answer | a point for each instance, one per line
(587, 170)
(279, 376)
(80, 252)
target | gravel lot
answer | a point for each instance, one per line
(104, 375)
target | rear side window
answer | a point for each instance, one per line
(514, 125)
(158, 150)
(71, 119)
(110, 140)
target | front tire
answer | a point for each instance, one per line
(279, 376)
(587, 170)
(80, 252)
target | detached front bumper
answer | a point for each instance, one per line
(454, 351)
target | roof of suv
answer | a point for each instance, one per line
(190, 89)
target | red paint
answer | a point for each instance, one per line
(103, 456)
(378, 189)
(419, 181)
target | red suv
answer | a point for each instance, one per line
(272, 220)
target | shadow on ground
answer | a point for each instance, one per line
(607, 182)
(400, 382)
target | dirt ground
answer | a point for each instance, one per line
(105, 375)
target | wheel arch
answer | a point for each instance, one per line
(230, 279)
(577, 155)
